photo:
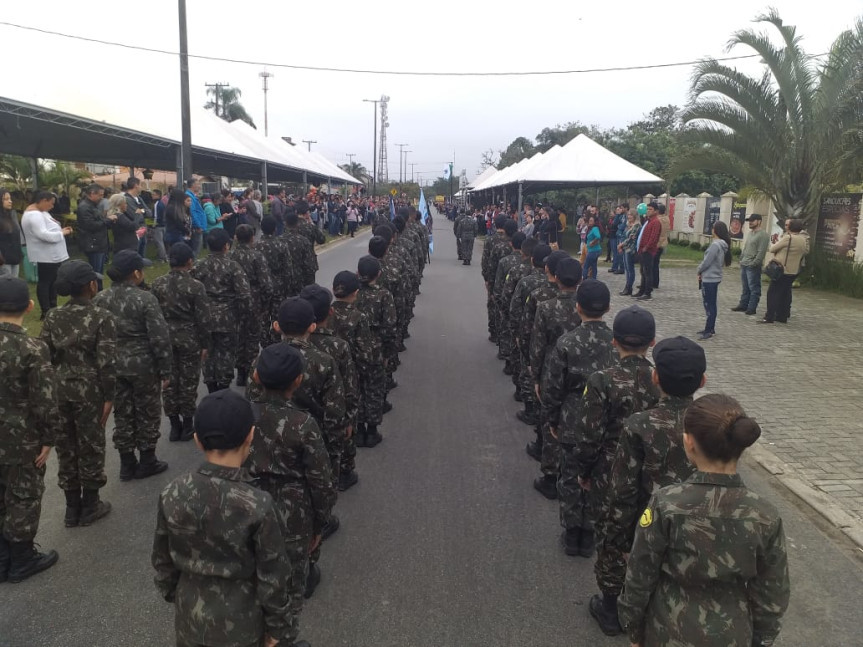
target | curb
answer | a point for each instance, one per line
(340, 241)
(820, 502)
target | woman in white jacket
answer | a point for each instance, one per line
(46, 246)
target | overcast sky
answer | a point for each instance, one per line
(436, 116)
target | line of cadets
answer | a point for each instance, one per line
(610, 431)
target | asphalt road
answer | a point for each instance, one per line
(443, 541)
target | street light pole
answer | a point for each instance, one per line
(185, 103)
(310, 142)
(401, 150)
(374, 149)
(406, 165)
(265, 77)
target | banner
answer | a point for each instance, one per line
(711, 215)
(423, 208)
(838, 224)
(672, 203)
(392, 209)
(690, 206)
(738, 217)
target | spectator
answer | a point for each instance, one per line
(751, 260)
(627, 246)
(648, 244)
(259, 208)
(353, 217)
(278, 208)
(665, 225)
(611, 234)
(126, 224)
(789, 251)
(93, 225)
(46, 246)
(178, 221)
(594, 249)
(158, 233)
(10, 236)
(215, 219)
(710, 275)
(620, 225)
(226, 208)
(529, 228)
(198, 217)
(139, 214)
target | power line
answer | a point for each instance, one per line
(314, 68)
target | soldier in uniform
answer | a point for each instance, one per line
(27, 432)
(82, 340)
(308, 229)
(406, 242)
(325, 339)
(254, 265)
(408, 270)
(418, 236)
(275, 251)
(504, 337)
(466, 234)
(554, 317)
(304, 262)
(230, 295)
(708, 566)
(218, 549)
(495, 248)
(390, 280)
(143, 366)
(649, 456)
(577, 354)
(378, 306)
(288, 459)
(455, 226)
(185, 307)
(506, 343)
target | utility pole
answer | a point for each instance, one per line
(412, 171)
(350, 157)
(406, 165)
(310, 142)
(374, 149)
(218, 95)
(185, 103)
(265, 77)
(401, 151)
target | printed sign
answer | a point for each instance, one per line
(711, 214)
(687, 223)
(738, 217)
(838, 224)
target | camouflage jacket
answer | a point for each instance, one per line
(492, 253)
(353, 326)
(378, 306)
(503, 268)
(708, 567)
(186, 308)
(576, 356)
(289, 460)
(275, 251)
(611, 396)
(545, 292)
(554, 317)
(28, 402)
(82, 339)
(304, 263)
(408, 269)
(219, 555)
(535, 278)
(422, 235)
(325, 340)
(227, 288)
(649, 456)
(255, 266)
(516, 273)
(143, 339)
(313, 233)
(419, 245)
(455, 226)
(394, 280)
(466, 229)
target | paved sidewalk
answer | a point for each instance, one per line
(802, 381)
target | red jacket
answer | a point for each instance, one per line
(650, 238)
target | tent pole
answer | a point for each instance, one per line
(597, 197)
(185, 165)
(520, 196)
(265, 179)
(305, 184)
(34, 172)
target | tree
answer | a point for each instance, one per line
(789, 134)
(62, 176)
(489, 158)
(357, 170)
(519, 148)
(16, 172)
(225, 103)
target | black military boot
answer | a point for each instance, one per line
(587, 544)
(5, 558)
(242, 377)
(128, 465)
(92, 508)
(312, 580)
(603, 608)
(528, 414)
(534, 450)
(392, 384)
(546, 486)
(176, 428)
(188, 431)
(347, 480)
(571, 541)
(373, 437)
(149, 465)
(330, 527)
(388, 406)
(507, 369)
(360, 434)
(304, 643)
(26, 561)
(73, 507)
(517, 396)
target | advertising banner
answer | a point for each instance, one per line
(687, 222)
(711, 215)
(838, 224)
(738, 216)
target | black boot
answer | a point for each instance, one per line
(26, 561)
(92, 508)
(626, 293)
(392, 384)
(73, 507)
(330, 527)
(188, 431)
(312, 580)
(517, 396)
(373, 437)
(507, 369)
(534, 450)
(387, 408)
(347, 480)
(149, 465)
(546, 486)
(603, 608)
(571, 541)
(528, 415)
(587, 544)
(360, 435)
(128, 465)
(211, 387)
(176, 428)
(242, 377)
(5, 558)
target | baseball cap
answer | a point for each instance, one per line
(73, 274)
(223, 420)
(680, 363)
(368, 268)
(540, 253)
(345, 284)
(295, 316)
(14, 295)
(754, 216)
(634, 326)
(278, 366)
(593, 296)
(320, 298)
(568, 272)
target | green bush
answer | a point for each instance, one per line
(704, 247)
(736, 252)
(695, 245)
(683, 242)
(828, 272)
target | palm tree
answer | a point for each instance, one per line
(225, 102)
(357, 170)
(790, 134)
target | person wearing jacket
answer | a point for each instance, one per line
(789, 251)
(138, 212)
(647, 249)
(627, 245)
(751, 260)
(665, 224)
(710, 275)
(46, 246)
(199, 218)
(618, 231)
(214, 215)
(93, 225)
(10, 236)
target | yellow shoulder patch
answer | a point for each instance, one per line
(646, 518)
(585, 391)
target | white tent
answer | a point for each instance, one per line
(482, 177)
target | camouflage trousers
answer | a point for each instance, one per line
(373, 392)
(467, 249)
(21, 489)
(582, 508)
(249, 340)
(458, 247)
(182, 642)
(221, 358)
(610, 567)
(549, 464)
(181, 396)
(491, 307)
(137, 412)
(526, 382)
(505, 342)
(349, 455)
(80, 446)
(335, 444)
(297, 552)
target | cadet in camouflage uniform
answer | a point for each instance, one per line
(185, 306)
(288, 459)
(396, 277)
(708, 566)
(495, 248)
(218, 549)
(229, 295)
(577, 354)
(506, 343)
(260, 282)
(377, 304)
(455, 225)
(554, 317)
(143, 366)
(506, 264)
(391, 280)
(308, 230)
(325, 339)
(275, 251)
(419, 236)
(304, 263)
(650, 455)
(466, 235)
(29, 424)
(510, 229)
(82, 340)
(404, 250)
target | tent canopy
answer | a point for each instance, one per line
(482, 177)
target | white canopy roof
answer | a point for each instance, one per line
(482, 177)
(500, 178)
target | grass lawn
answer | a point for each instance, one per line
(676, 253)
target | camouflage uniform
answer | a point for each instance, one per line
(82, 340)
(377, 305)
(220, 558)
(143, 362)
(506, 342)
(314, 235)
(392, 280)
(260, 282)
(289, 460)
(410, 276)
(466, 235)
(535, 278)
(185, 306)
(649, 456)
(422, 242)
(526, 379)
(304, 262)
(458, 246)
(708, 567)
(278, 257)
(29, 414)
(230, 295)
(577, 355)
(504, 337)
(496, 247)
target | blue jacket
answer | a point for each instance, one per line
(199, 218)
(620, 221)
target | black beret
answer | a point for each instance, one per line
(679, 358)
(540, 252)
(500, 221)
(368, 268)
(295, 316)
(218, 238)
(378, 246)
(223, 420)
(634, 326)
(14, 294)
(125, 262)
(73, 275)
(278, 366)
(345, 284)
(320, 298)
(553, 259)
(593, 296)
(510, 227)
(568, 272)
(180, 254)
(268, 224)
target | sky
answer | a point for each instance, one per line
(440, 118)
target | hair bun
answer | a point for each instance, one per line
(744, 432)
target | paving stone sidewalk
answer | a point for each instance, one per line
(802, 381)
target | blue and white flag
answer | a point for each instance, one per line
(424, 208)
(446, 171)
(392, 209)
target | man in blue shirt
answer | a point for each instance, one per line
(199, 218)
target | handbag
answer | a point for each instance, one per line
(776, 270)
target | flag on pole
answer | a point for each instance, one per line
(392, 209)
(446, 171)
(424, 208)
